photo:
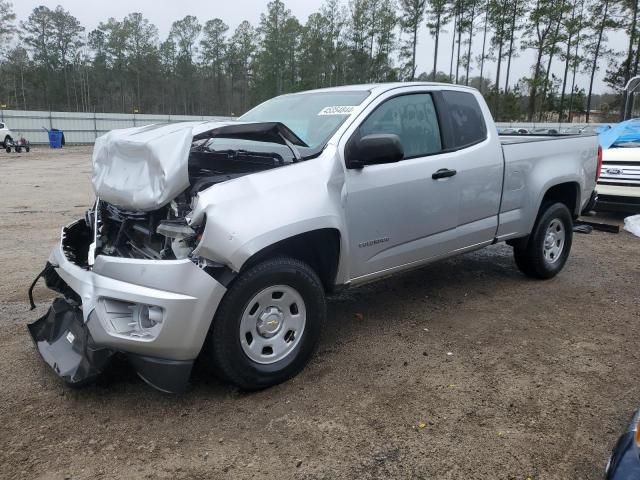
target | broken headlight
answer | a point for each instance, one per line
(183, 237)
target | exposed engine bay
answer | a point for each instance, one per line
(218, 155)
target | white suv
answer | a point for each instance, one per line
(5, 134)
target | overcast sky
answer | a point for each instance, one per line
(163, 12)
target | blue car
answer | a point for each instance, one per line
(624, 462)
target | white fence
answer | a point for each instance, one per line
(84, 128)
(79, 127)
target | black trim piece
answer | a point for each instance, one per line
(168, 376)
(628, 163)
(591, 203)
(618, 204)
(619, 199)
(48, 267)
(54, 282)
(446, 138)
(619, 184)
(223, 275)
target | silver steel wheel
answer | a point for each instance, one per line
(272, 324)
(554, 241)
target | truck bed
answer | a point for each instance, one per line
(530, 170)
(511, 139)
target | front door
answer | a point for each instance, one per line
(398, 214)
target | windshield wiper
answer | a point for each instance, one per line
(296, 153)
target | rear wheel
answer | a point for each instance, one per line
(548, 246)
(7, 141)
(268, 324)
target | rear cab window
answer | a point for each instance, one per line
(466, 125)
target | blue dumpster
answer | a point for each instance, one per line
(55, 138)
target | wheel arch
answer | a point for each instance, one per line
(567, 193)
(319, 248)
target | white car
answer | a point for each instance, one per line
(5, 134)
(619, 182)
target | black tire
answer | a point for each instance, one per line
(224, 350)
(530, 257)
(18, 149)
(7, 141)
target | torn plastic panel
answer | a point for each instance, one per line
(65, 344)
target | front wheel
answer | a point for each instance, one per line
(268, 324)
(548, 246)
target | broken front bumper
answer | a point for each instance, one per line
(114, 300)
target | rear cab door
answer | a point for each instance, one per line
(470, 134)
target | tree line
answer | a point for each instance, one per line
(49, 61)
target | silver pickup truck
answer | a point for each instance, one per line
(221, 239)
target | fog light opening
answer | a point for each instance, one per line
(149, 316)
(134, 320)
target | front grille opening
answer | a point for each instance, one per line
(76, 239)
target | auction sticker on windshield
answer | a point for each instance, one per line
(338, 110)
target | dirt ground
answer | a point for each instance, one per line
(508, 377)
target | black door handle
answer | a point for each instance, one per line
(443, 173)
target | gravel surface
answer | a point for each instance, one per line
(463, 369)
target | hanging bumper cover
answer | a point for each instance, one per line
(65, 344)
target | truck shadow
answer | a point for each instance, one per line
(439, 284)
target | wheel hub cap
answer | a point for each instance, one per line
(554, 241)
(270, 322)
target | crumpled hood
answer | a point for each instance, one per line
(144, 168)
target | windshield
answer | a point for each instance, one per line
(312, 116)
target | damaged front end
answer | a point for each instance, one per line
(215, 155)
(127, 273)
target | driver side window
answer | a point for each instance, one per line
(413, 118)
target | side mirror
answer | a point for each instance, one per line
(373, 150)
